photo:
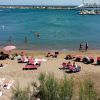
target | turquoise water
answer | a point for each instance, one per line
(59, 29)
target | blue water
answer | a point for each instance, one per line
(59, 29)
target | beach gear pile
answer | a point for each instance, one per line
(5, 84)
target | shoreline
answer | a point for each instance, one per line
(64, 52)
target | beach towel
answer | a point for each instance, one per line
(40, 59)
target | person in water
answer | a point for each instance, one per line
(86, 46)
(10, 40)
(26, 40)
(81, 47)
(37, 34)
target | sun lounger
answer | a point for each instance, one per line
(30, 67)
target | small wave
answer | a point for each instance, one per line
(1, 10)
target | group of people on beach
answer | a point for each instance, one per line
(73, 67)
(82, 47)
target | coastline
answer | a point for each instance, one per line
(55, 7)
(64, 52)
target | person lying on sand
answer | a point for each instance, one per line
(68, 57)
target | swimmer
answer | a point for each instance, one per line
(37, 34)
(3, 27)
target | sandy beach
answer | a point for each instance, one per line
(14, 71)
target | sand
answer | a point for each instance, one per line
(14, 71)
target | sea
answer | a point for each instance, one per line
(57, 29)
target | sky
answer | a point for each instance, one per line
(44, 2)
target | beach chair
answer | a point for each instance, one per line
(27, 67)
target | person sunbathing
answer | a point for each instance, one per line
(75, 65)
(64, 65)
(68, 57)
(86, 59)
(23, 59)
(69, 64)
(55, 55)
(48, 54)
(76, 68)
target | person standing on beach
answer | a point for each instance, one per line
(10, 40)
(86, 46)
(80, 48)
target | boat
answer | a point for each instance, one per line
(89, 8)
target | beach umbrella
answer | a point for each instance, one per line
(9, 48)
